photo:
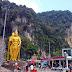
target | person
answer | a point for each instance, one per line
(67, 70)
(39, 66)
(27, 68)
(19, 68)
(31, 67)
(70, 67)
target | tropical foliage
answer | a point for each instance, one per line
(47, 27)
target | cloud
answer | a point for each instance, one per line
(28, 3)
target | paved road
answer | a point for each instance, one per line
(38, 70)
(2, 69)
(48, 70)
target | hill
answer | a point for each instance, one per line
(52, 27)
(39, 28)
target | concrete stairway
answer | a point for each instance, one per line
(3, 53)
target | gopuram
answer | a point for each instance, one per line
(14, 45)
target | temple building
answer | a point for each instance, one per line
(34, 57)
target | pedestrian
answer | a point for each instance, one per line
(31, 67)
(39, 66)
(67, 70)
(27, 68)
(70, 67)
(19, 68)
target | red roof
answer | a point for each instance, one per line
(57, 57)
(53, 58)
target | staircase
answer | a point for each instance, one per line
(3, 53)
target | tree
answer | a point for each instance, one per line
(0, 8)
(57, 53)
(24, 43)
(31, 49)
(46, 27)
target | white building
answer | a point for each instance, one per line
(67, 53)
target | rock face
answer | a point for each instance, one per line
(69, 36)
(18, 17)
(25, 28)
(21, 20)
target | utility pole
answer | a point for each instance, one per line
(49, 49)
(71, 52)
(40, 49)
(3, 38)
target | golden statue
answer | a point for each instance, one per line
(14, 46)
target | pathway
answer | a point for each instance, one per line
(2, 69)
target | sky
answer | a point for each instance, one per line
(45, 5)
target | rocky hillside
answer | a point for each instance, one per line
(39, 28)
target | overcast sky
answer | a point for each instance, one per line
(45, 5)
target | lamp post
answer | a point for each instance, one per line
(3, 38)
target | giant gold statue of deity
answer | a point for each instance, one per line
(14, 46)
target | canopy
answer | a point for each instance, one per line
(33, 60)
(28, 60)
(38, 61)
(44, 62)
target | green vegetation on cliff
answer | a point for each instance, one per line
(42, 27)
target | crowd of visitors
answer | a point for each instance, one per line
(32, 67)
